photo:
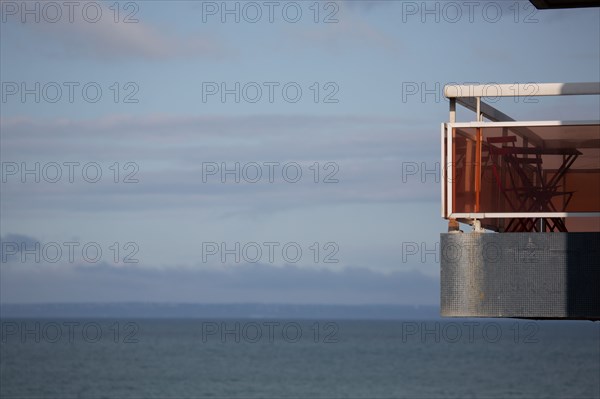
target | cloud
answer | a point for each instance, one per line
(188, 139)
(365, 155)
(351, 26)
(105, 40)
(239, 284)
(11, 244)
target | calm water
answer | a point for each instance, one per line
(297, 359)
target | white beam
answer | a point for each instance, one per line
(522, 90)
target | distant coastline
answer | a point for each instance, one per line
(224, 311)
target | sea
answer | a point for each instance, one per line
(277, 357)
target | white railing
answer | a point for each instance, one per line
(469, 96)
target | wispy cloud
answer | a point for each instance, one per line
(351, 27)
(365, 157)
(106, 40)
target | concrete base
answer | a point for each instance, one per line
(524, 275)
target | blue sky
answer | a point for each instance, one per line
(354, 122)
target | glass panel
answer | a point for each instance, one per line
(527, 169)
(463, 176)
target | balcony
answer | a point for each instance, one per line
(535, 185)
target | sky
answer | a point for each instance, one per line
(274, 152)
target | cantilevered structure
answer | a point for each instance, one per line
(535, 187)
(554, 4)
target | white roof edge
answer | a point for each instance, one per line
(522, 89)
(588, 122)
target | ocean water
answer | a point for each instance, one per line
(260, 358)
